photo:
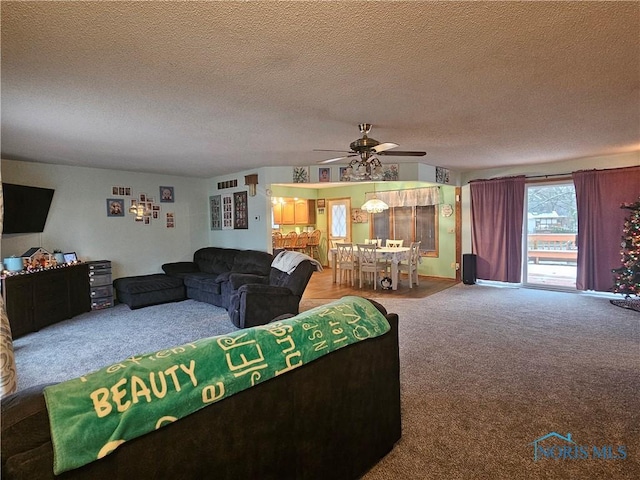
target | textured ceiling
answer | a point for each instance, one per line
(209, 88)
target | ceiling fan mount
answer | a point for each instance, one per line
(365, 143)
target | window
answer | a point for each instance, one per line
(411, 224)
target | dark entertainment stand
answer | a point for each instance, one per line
(38, 299)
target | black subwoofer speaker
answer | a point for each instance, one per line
(469, 268)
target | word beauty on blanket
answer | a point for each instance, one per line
(94, 414)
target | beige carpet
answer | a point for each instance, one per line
(485, 371)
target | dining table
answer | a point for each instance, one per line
(394, 254)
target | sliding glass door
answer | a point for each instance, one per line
(550, 246)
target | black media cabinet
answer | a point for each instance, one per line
(38, 299)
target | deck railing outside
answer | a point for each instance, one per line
(552, 247)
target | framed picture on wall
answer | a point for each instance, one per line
(115, 207)
(166, 194)
(324, 174)
(215, 206)
(442, 175)
(390, 172)
(345, 173)
(321, 203)
(300, 174)
(359, 216)
(227, 211)
(240, 214)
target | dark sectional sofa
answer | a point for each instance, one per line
(241, 281)
(333, 418)
(208, 277)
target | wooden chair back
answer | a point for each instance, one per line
(301, 241)
(289, 240)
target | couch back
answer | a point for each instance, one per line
(221, 260)
(307, 428)
(296, 281)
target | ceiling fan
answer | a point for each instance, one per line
(366, 148)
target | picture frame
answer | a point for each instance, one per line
(390, 172)
(321, 203)
(215, 211)
(359, 216)
(115, 207)
(166, 194)
(240, 212)
(300, 174)
(344, 174)
(121, 191)
(442, 175)
(227, 211)
(324, 174)
(70, 257)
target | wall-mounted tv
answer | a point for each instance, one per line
(25, 208)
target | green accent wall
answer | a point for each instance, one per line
(433, 266)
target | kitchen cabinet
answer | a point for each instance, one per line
(295, 212)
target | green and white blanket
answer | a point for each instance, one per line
(92, 415)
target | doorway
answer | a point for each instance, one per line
(339, 220)
(550, 248)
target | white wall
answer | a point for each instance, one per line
(78, 221)
(258, 235)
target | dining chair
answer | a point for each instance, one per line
(301, 242)
(394, 243)
(289, 240)
(346, 261)
(276, 240)
(313, 244)
(410, 267)
(369, 263)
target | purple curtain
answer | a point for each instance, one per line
(599, 194)
(496, 217)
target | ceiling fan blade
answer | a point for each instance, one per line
(337, 159)
(384, 146)
(343, 151)
(397, 153)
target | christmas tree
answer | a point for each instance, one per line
(627, 277)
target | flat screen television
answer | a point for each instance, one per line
(25, 208)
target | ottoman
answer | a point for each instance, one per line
(146, 290)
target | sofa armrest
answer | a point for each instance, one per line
(239, 279)
(179, 269)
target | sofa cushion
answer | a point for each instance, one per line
(252, 261)
(215, 260)
(207, 282)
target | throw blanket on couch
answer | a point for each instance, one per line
(287, 261)
(92, 415)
